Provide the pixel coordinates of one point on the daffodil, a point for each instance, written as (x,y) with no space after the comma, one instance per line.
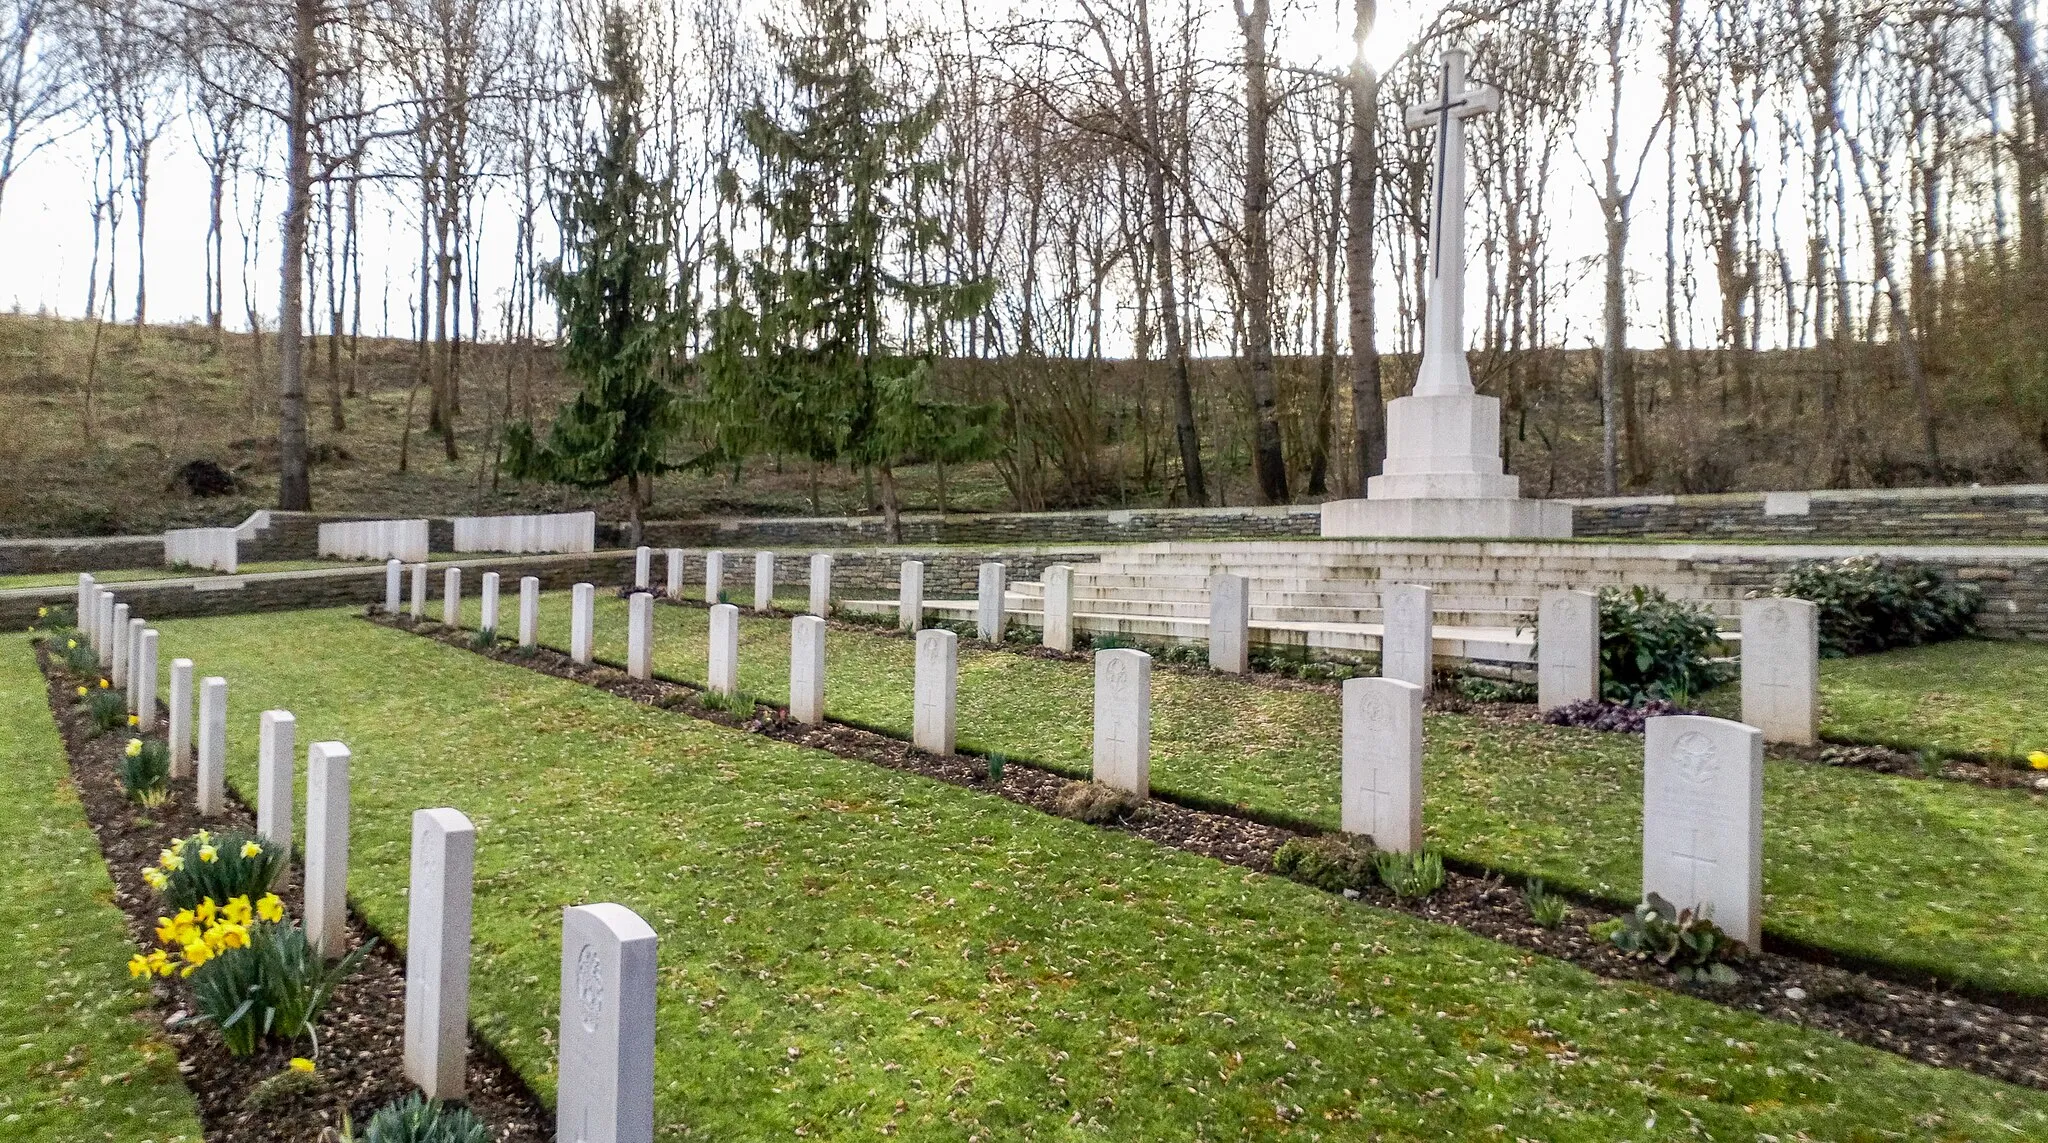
(2038,759)
(301,1064)
(165,930)
(204,911)
(196,953)
(134,745)
(155,878)
(138,965)
(251,849)
(232,936)
(270,908)
(71,644)
(207,854)
(171,861)
(160,962)
(237,911)
(103,684)
(135,720)
(42,613)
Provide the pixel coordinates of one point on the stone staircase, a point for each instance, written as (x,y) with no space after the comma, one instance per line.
(1324,595)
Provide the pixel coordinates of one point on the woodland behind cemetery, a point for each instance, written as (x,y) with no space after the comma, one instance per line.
(1148,252)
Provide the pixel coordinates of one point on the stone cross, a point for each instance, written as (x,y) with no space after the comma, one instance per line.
(394,576)
(1567,648)
(488,619)
(582,621)
(714,576)
(724,674)
(604,1085)
(643,567)
(180,729)
(419,591)
(640,635)
(1703,798)
(118,666)
(142,686)
(212,797)
(276,741)
(1123,720)
(821,584)
(1382,777)
(807,669)
(437,927)
(1407,645)
(529,610)
(1781,669)
(935,691)
(675,573)
(451,598)
(327,848)
(910,595)
(989,617)
(1444,370)
(1230,624)
(764,581)
(1057,631)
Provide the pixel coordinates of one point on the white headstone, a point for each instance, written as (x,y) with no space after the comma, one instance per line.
(180,729)
(437,952)
(989,615)
(143,685)
(131,651)
(1382,779)
(764,581)
(419,591)
(1058,628)
(451,597)
(821,584)
(910,595)
(327,848)
(1703,799)
(935,690)
(1230,623)
(82,609)
(1407,645)
(640,635)
(807,669)
(1781,669)
(714,576)
(103,633)
(582,620)
(1567,649)
(643,567)
(212,780)
(675,573)
(1123,720)
(119,665)
(489,619)
(394,579)
(529,610)
(604,1086)
(725,649)
(276,744)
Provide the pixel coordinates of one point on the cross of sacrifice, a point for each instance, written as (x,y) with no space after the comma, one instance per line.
(1697,863)
(1444,370)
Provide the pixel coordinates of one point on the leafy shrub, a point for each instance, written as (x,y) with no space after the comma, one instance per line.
(1480,688)
(193,869)
(1682,940)
(106,707)
(1309,666)
(56,617)
(1412,876)
(146,771)
(1545,908)
(1653,646)
(79,657)
(1598,714)
(1867,604)
(1331,862)
(417,1119)
(273,986)
(1096,803)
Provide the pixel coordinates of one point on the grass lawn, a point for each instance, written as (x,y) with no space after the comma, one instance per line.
(1939,877)
(76,1060)
(848,951)
(134,575)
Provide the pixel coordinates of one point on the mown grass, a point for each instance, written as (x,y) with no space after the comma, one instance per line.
(77,1060)
(134,575)
(848,951)
(1938,878)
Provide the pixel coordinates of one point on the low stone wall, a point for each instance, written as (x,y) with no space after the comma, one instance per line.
(1893,515)
(1132,526)
(98,553)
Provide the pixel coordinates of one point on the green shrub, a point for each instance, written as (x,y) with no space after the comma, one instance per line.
(1412,876)
(739,704)
(1545,908)
(1330,862)
(217,867)
(1682,940)
(79,657)
(275,986)
(1096,803)
(146,771)
(1653,646)
(1867,604)
(55,617)
(107,708)
(1480,688)
(417,1119)
(484,639)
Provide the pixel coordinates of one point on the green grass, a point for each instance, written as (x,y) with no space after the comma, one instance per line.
(133,575)
(1972,697)
(78,1061)
(1933,877)
(847,951)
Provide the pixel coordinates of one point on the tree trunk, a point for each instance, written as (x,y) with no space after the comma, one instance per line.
(1368,411)
(294,485)
(1614,319)
(892,516)
(1269,463)
(1154,153)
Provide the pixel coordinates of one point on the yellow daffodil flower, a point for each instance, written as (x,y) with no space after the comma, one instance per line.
(165,930)
(134,745)
(237,911)
(301,1064)
(160,962)
(103,684)
(134,720)
(205,911)
(171,861)
(42,613)
(251,849)
(207,854)
(197,953)
(81,692)
(138,966)
(270,908)
(155,878)
(232,936)
(204,835)
(2038,759)
(71,644)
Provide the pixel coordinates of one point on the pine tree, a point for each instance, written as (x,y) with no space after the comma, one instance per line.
(826,346)
(619,324)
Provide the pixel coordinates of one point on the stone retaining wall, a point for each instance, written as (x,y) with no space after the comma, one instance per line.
(1133,526)
(1895,515)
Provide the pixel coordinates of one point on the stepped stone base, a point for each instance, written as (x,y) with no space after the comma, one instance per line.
(1502,518)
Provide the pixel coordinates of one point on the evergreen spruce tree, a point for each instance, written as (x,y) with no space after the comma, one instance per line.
(619,326)
(825,346)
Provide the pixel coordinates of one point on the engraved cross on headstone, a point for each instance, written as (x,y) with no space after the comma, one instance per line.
(1697,863)
(1444,371)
